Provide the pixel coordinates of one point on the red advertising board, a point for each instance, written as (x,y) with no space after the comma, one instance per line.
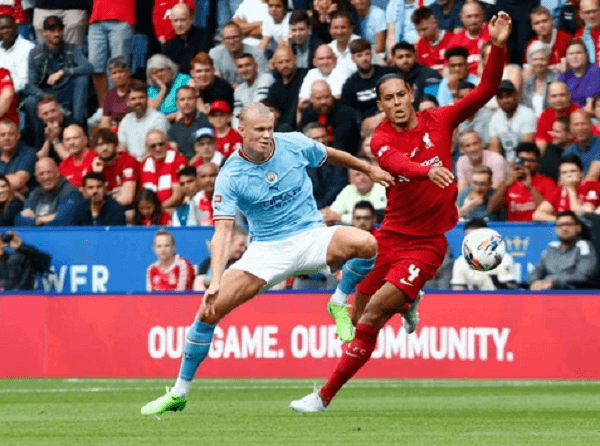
(291,335)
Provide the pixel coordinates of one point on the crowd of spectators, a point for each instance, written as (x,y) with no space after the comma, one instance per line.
(115,113)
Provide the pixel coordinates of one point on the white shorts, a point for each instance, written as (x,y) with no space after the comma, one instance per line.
(274,261)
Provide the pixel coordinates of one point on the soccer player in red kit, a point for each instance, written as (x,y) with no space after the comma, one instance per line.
(416,148)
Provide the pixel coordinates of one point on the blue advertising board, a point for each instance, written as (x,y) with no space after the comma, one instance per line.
(115,260)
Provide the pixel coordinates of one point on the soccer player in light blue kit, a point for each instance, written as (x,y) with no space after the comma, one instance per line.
(267,180)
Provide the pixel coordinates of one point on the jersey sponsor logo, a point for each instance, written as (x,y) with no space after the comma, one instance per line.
(271,177)
(278,201)
(435,162)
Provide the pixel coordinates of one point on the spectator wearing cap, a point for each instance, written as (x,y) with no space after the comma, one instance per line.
(120,169)
(17,161)
(534,93)
(14,51)
(110,35)
(8,97)
(359,90)
(115,103)
(158,170)
(208,86)
(228,140)
(165,79)
(98,208)
(226,54)
(136,124)
(189,39)
(582,77)
(187,121)
(60,68)
(255,86)
(512,124)
(586,145)
(73,13)
(458,71)
(425,80)
(53,202)
(205,148)
(343,132)
(79,161)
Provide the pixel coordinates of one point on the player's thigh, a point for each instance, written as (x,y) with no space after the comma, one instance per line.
(237,287)
(348,242)
(384,304)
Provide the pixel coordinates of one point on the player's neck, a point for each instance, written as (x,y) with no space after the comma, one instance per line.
(410,124)
(167,263)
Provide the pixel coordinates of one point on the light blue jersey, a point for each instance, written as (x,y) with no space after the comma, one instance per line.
(276,196)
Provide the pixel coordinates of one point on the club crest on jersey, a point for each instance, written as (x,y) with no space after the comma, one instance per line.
(427,141)
(218,198)
(271,177)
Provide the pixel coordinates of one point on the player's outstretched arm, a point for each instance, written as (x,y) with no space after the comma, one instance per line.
(500,27)
(343,159)
(219,255)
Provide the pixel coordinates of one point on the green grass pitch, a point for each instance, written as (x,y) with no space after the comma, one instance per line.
(255,412)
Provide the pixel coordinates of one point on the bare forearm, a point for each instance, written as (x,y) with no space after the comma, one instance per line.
(219,252)
(497,200)
(342,159)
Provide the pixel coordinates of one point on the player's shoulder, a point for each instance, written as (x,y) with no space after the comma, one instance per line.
(291,139)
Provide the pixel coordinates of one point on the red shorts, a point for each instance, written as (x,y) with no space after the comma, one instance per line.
(405,261)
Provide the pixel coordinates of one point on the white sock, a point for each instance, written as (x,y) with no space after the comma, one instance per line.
(339,297)
(182,387)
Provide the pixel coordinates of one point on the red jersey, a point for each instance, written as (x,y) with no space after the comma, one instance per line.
(121,11)
(546,121)
(74,171)
(587,192)
(204,210)
(122,169)
(178,277)
(595,36)
(229,143)
(558,43)
(161,17)
(596,130)
(433,54)
(6,83)
(15,9)
(161,176)
(519,201)
(165,220)
(415,205)
(472,44)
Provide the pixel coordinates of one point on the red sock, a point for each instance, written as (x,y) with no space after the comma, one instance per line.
(356,355)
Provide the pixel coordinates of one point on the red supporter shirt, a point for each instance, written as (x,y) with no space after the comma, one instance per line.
(204,207)
(74,171)
(178,277)
(416,206)
(519,201)
(229,143)
(596,130)
(6,83)
(595,36)
(165,220)
(472,44)
(432,54)
(587,192)
(122,169)
(161,17)
(161,176)
(559,46)
(120,10)
(546,121)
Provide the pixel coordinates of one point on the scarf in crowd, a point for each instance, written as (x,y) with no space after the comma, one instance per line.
(589,43)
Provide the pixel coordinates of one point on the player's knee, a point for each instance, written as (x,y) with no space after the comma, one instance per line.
(374,316)
(367,246)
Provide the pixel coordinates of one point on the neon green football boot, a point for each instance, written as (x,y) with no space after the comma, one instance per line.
(343,323)
(169,401)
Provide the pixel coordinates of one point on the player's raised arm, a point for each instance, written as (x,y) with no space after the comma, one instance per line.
(219,256)
(343,159)
(500,27)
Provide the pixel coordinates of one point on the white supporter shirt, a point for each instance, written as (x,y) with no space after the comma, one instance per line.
(344,60)
(335,80)
(255,11)
(511,132)
(16,60)
(464,275)
(346,200)
(132,131)
(276,31)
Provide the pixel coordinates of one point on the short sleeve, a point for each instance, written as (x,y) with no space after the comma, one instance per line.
(494,126)
(528,122)
(314,152)
(461,168)
(130,170)
(379,20)
(224,201)
(390,11)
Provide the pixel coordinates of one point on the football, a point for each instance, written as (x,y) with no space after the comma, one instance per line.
(483,249)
